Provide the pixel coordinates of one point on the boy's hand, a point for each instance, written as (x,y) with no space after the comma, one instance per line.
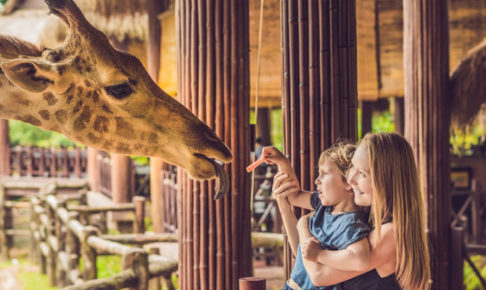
(310,249)
(283,186)
(272,155)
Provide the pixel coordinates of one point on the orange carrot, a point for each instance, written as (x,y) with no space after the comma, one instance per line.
(255,164)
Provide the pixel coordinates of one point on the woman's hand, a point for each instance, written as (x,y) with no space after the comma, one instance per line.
(283,186)
(310,249)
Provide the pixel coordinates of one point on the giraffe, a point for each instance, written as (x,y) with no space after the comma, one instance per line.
(104,98)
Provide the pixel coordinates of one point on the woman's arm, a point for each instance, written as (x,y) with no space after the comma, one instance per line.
(355,257)
(382,256)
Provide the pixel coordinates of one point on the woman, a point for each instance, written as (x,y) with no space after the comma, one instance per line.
(384,177)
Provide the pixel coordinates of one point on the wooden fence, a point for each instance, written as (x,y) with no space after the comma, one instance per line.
(61,233)
(35,161)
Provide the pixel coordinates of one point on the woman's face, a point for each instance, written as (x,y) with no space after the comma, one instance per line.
(359,176)
(330,184)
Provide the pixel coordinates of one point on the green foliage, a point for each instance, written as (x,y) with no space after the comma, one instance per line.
(2,2)
(471,281)
(277,128)
(28,275)
(24,134)
(382,122)
(140,160)
(107,266)
(462,141)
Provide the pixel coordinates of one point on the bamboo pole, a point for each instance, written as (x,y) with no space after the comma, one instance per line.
(214,86)
(319,89)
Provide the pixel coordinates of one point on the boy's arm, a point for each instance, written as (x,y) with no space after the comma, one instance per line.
(290,223)
(356,257)
(312,268)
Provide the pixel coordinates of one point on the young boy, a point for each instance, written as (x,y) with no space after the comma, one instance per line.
(337,223)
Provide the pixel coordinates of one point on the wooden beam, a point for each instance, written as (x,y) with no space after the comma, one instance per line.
(427,120)
(154,8)
(366,117)
(398,115)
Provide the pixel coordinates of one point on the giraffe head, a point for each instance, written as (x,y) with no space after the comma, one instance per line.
(104,98)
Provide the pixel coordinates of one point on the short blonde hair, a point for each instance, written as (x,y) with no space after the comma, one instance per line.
(341,153)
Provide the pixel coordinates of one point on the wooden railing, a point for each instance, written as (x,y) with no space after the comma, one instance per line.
(468,233)
(61,239)
(35,161)
(169,190)
(139,181)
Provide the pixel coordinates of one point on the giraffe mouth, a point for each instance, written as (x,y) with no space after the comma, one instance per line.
(222,180)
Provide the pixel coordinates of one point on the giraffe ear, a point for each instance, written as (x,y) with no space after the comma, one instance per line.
(28,74)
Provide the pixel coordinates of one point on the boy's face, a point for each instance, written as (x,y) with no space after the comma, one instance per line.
(360,178)
(330,184)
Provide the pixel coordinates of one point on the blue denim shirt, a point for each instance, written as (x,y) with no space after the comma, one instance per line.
(335,232)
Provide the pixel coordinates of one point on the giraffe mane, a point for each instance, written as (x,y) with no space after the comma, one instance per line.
(12,47)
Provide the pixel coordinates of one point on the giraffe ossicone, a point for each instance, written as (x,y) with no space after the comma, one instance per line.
(104,98)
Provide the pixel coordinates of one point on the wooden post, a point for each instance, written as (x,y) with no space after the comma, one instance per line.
(263,126)
(213,66)
(137,260)
(457,258)
(93,169)
(34,232)
(119,178)
(52,255)
(398,115)
(139,225)
(5,256)
(427,120)
(73,248)
(476,212)
(4,148)
(88,254)
(252,283)
(366,117)
(154,283)
(319,82)
(157,208)
(61,274)
(154,8)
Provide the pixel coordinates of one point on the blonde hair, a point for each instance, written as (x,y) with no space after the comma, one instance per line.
(341,154)
(397,195)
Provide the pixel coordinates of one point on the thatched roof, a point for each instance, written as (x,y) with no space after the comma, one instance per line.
(468,87)
(119,19)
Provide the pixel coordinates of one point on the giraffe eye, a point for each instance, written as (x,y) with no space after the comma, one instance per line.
(119,91)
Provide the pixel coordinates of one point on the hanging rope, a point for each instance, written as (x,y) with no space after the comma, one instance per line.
(257,88)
